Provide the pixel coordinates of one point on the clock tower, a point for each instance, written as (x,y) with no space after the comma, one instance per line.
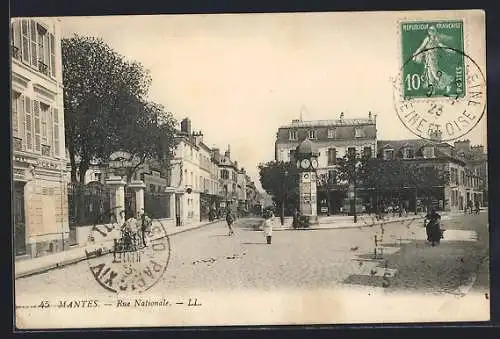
(306,157)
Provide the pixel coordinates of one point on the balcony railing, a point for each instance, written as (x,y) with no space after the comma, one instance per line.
(43,68)
(16,53)
(17,144)
(45,150)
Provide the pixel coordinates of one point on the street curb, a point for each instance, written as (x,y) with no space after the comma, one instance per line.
(80,259)
(193,228)
(345,227)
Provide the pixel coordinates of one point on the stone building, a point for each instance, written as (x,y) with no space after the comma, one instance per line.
(40,177)
(228,178)
(465,182)
(476,173)
(334,139)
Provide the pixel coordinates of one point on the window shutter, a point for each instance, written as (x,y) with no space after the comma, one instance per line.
(52,46)
(16,34)
(332,156)
(34,49)
(36,115)
(20,113)
(56,130)
(29,124)
(25,50)
(15,114)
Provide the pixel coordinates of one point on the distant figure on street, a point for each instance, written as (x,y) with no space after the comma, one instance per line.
(146,224)
(432,219)
(469,206)
(230,221)
(476,210)
(295,221)
(268,226)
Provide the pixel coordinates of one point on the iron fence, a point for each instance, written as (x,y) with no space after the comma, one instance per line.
(157,205)
(87,203)
(130,209)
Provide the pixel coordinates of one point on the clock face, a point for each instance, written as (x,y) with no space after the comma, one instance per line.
(314,163)
(305,163)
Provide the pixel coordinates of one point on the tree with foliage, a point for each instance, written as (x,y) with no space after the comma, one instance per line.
(283,188)
(105,106)
(150,138)
(393,176)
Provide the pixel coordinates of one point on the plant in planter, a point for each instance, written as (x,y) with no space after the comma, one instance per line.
(302,222)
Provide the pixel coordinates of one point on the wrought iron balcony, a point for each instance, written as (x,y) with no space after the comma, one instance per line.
(43,68)
(16,52)
(17,144)
(45,150)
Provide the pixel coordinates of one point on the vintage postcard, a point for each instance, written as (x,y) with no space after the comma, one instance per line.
(249,169)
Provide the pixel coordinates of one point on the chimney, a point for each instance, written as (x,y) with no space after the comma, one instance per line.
(236,165)
(215,154)
(436,135)
(228,152)
(198,136)
(462,145)
(370,115)
(186,126)
(479,149)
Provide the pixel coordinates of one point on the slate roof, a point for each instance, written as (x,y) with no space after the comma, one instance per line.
(441,149)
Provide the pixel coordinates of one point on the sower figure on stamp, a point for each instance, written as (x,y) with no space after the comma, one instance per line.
(427,53)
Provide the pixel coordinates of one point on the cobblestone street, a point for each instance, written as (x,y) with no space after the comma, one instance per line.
(208,260)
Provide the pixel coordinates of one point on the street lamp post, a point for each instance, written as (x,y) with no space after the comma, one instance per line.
(355,174)
(283,197)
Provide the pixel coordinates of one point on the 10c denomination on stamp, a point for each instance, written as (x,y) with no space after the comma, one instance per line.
(137,255)
(440,92)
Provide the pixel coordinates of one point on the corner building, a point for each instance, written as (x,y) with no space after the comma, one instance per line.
(40,208)
(334,139)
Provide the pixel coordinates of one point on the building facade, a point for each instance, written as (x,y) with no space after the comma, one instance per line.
(334,138)
(228,179)
(465,184)
(187,191)
(40,177)
(476,172)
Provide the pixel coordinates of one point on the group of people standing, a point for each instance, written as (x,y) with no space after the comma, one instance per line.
(472,208)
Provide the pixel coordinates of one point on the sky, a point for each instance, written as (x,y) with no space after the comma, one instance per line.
(238,77)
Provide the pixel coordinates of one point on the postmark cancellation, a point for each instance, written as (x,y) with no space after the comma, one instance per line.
(440,92)
(135,258)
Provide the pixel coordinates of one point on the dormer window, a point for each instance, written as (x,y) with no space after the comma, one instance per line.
(332,133)
(388,154)
(359,132)
(428,152)
(408,153)
(292,135)
(312,134)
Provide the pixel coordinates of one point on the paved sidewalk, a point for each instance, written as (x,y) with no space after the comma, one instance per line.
(364,220)
(342,223)
(73,255)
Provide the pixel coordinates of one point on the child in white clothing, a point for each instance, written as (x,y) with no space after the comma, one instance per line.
(268,227)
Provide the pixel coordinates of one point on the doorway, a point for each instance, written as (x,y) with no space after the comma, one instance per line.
(19,219)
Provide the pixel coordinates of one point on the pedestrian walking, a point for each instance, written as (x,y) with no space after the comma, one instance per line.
(230,221)
(268,227)
(476,210)
(469,206)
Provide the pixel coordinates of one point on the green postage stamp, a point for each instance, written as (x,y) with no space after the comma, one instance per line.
(433,57)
